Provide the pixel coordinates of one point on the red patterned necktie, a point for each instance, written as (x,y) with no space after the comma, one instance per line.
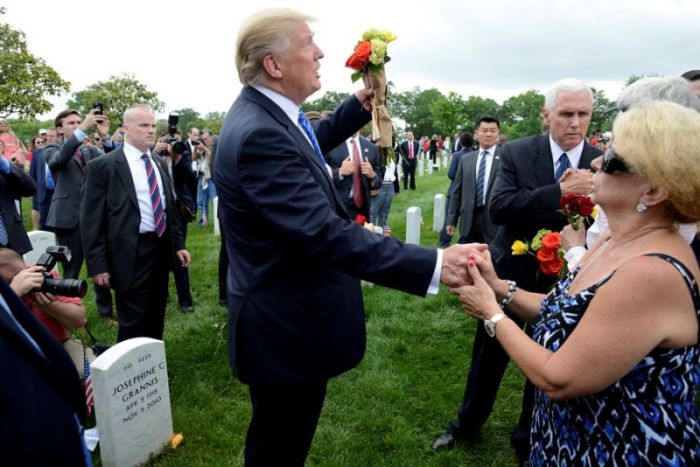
(158,212)
(410,150)
(358,195)
(81,160)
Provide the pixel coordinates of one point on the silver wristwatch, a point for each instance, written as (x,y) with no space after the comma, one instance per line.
(490,324)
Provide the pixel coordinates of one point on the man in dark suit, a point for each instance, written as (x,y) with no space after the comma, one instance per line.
(295,305)
(67,162)
(465,141)
(44,403)
(129,227)
(534,173)
(409,155)
(355,163)
(14,183)
(38,170)
(471,191)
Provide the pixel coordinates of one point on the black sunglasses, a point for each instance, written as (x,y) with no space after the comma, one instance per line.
(613,163)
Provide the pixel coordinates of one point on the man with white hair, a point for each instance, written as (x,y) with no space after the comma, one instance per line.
(525,199)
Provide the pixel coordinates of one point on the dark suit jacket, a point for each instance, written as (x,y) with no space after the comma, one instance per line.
(37,172)
(40,393)
(526,199)
(295,305)
(335,158)
(454,163)
(15,185)
(185,184)
(404,152)
(463,195)
(110,218)
(64,212)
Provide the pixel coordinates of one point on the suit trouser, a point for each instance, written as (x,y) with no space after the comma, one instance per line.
(141,307)
(283,424)
(43,209)
(223,268)
(445,239)
(72,239)
(409,172)
(182,275)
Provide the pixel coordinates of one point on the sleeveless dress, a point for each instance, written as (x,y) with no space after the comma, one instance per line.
(648,417)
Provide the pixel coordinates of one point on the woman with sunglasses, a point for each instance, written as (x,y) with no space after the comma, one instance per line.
(614,349)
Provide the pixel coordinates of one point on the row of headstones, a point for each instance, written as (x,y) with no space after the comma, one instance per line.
(414,219)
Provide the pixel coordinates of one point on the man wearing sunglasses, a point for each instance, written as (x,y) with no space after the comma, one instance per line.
(534,173)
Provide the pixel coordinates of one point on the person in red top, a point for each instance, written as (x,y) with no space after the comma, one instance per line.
(56,313)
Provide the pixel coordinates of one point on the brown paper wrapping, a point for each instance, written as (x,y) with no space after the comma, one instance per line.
(382,128)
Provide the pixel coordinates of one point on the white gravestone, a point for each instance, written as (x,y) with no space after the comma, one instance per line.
(428,166)
(413,222)
(132,402)
(217,229)
(39,239)
(438,212)
(421,167)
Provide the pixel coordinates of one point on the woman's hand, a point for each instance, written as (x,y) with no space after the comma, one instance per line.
(485,266)
(478,300)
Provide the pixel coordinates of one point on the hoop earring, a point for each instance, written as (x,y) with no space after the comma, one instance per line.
(641,207)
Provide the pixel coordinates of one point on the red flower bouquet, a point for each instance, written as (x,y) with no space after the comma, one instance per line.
(546,247)
(576,208)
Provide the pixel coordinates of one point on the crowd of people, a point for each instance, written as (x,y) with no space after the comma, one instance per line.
(610,350)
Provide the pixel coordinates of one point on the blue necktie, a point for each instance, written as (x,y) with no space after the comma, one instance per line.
(50,184)
(4,238)
(480,176)
(563,165)
(308,129)
(156,202)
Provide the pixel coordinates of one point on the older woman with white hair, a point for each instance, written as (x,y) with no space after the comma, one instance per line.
(615,351)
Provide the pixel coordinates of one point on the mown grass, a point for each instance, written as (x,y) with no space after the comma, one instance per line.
(386,412)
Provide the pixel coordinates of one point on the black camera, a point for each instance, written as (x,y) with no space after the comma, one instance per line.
(100,107)
(178,146)
(64,287)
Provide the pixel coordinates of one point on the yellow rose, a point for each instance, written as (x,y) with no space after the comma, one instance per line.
(594,214)
(518,248)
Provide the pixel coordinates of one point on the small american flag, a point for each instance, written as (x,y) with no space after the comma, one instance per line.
(89,399)
(387,231)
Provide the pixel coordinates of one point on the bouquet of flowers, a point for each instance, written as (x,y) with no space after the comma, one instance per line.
(368,61)
(576,208)
(546,247)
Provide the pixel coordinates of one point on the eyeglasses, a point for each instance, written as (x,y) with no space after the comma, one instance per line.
(613,163)
(98,139)
(39,142)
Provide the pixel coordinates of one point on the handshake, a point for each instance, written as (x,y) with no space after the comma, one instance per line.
(455,261)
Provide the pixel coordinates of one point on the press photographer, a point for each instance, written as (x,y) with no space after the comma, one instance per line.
(58,313)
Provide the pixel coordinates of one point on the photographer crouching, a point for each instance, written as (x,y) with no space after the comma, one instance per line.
(58,313)
(170,146)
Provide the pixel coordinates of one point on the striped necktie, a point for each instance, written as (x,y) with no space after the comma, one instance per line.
(158,212)
(480,177)
(563,165)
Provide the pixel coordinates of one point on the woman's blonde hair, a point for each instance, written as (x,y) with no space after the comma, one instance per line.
(661,142)
(266,32)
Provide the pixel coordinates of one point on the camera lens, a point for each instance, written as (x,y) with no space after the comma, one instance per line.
(65,287)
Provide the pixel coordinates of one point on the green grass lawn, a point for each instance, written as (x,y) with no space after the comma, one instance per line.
(387,411)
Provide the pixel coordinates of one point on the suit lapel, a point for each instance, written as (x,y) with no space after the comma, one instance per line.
(544,167)
(494,169)
(124,173)
(470,175)
(587,155)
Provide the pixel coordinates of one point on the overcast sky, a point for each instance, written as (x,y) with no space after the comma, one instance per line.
(184,50)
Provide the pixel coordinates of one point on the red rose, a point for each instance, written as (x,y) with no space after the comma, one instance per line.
(545,254)
(359,57)
(585,206)
(360,219)
(552,240)
(567,203)
(552,268)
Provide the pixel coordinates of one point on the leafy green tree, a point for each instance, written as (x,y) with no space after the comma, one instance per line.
(329,101)
(520,115)
(476,107)
(27,129)
(188,118)
(24,79)
(117,94)
(448,113)
(602,111)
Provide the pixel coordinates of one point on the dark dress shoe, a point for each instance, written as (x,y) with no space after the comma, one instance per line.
(187,308)
(444,441)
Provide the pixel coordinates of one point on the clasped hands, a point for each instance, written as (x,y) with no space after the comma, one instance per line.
(468,272)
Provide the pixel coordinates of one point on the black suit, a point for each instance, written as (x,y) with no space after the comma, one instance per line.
(14,185)
(185,186)
(43,195)
(295,305)
(335,158)
(42,400)
(475,224)
(525,199)
(409,165)
(138,264)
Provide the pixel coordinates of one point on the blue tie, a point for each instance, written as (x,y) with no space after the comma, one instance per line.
(156,202)
(480,176)
(563,165)
(308,129)
(50,184)
(4,238)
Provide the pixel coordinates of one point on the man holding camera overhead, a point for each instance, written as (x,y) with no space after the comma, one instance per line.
(130,231)
(68,162)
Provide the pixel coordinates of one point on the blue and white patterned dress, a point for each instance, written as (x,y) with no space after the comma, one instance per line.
(646,418)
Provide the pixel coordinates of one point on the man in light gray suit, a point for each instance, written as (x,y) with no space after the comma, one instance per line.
(68,162)
(471,190)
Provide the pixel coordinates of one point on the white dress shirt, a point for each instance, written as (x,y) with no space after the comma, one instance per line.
(143,191)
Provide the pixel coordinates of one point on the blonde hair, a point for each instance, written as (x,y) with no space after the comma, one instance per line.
(661,142)
(266,32)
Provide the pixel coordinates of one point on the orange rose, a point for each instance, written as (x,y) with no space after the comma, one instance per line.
(552,240)
(545,254)
(552,268)
(360,56)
